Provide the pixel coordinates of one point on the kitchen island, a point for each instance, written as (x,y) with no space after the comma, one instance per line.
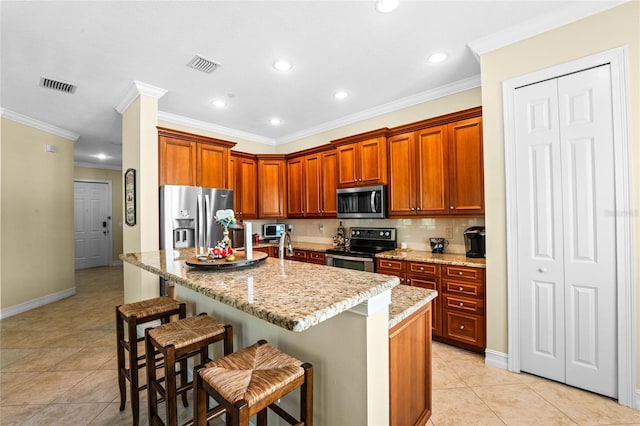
(334,318)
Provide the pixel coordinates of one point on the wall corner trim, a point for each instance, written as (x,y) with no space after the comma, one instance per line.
(496,359)
(139,88)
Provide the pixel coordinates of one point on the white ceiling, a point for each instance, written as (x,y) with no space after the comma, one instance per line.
(379,59)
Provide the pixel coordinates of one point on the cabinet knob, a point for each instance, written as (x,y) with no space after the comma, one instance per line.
(461,304)
(388,264)
(460,288)
(411,208)
(422,268)
(451,207)
(461,327)
(460,273)
(408,280)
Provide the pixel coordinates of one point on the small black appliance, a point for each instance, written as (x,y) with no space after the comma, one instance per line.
(474,241)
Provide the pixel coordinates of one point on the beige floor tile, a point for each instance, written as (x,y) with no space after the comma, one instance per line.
(461,406)
(18,414)
(520,405)
(444,375)
(66,414)
(41,388)
(99,386)
(85,359)
(37,359)
(585,407)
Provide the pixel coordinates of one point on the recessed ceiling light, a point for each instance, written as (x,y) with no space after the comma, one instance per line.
(218,103)
(386,6)
(341,95)
(282,65)
(437,57)
(101,156)
(275,121)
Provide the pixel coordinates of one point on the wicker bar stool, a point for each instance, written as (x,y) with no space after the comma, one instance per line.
(134,314)
(250,381)
(177,341)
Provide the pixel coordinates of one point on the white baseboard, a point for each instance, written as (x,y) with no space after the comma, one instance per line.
(36,303)
(637,407)
(116,262)
(496,359)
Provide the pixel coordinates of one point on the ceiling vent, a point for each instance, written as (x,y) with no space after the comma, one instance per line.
(202,64)
(58,85)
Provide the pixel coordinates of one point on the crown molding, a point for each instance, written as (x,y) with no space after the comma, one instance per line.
(40,125)
(139,88)
(203,125)
(409,101)
(533,27)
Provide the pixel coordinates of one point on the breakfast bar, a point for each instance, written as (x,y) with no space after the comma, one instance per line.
(336,319)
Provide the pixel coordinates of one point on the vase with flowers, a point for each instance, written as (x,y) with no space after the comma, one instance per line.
(224,218)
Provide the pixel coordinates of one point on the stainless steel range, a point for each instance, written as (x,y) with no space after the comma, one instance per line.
(364,244)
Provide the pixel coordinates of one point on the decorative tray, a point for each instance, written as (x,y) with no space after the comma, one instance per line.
(239,261)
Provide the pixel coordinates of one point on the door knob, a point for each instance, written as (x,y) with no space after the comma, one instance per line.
(542,270)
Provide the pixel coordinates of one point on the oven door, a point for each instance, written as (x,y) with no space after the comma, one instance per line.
(366,264)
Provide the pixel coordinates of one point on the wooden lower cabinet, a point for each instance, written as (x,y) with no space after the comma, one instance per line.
(316,257)
(458,313)
(271,251)
(410,369)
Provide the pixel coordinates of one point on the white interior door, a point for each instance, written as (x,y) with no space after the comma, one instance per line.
(566,230)
(92,224)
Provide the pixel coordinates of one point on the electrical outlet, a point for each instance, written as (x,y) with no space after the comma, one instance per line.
(290,228)
(321,227)
(448,232)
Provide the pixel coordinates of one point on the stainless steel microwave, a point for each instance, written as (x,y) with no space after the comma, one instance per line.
(362,202)
(272,230)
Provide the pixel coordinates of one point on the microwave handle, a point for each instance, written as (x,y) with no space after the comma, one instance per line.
(373,202)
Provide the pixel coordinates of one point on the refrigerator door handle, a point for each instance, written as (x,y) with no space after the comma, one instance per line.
(200,223)
(207,221)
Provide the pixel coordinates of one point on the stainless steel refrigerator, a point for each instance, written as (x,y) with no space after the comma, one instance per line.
(187,218)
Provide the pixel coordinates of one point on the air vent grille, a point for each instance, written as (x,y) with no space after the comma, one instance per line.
(202,64)
(58,85)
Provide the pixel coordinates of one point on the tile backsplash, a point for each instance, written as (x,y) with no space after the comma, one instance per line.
(414,232)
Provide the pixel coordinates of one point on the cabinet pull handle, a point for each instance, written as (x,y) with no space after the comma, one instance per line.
(460,288)
(461,326)
(461,304)
(417,208)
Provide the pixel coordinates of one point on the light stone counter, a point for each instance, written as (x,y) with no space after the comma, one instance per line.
(290,294)
(319,247)
(406,300)
(427,256)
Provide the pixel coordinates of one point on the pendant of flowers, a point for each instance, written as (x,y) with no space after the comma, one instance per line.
(224,218)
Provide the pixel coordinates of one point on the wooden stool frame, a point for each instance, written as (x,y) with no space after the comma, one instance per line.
(170,391)
(139,361)
(238,414)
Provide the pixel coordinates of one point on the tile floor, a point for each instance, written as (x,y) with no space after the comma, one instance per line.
(58,367)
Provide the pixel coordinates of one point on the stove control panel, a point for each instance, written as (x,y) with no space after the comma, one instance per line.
(384,234)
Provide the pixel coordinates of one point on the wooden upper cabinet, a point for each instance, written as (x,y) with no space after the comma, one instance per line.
(177,159)
(311,184)
(243,179)
(190,159)
(295,187)
(211,166)
(362,159)
(437,169)
(466,175)
(272,191)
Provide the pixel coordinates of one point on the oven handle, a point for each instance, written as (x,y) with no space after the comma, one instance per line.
(356,259)
(373,202)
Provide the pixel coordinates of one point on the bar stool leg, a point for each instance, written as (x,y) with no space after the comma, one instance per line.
(121,365)
(133,370)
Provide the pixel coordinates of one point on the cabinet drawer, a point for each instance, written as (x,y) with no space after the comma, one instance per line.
(424,268)
(390,265)
(316,257)
(465,328)
(463,272)
(467,288)
(471,306)
(431,284)
(299,255)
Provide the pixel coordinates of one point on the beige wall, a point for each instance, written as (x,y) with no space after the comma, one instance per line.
(115,177)
(613,28)
(37,215)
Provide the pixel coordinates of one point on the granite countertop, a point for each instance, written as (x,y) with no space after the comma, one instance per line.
(290,294)
(406,300)
(427,256)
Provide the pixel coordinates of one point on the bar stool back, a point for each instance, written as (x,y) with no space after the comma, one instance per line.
(134,314)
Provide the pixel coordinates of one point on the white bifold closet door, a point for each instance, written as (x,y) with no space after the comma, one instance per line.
(566,230)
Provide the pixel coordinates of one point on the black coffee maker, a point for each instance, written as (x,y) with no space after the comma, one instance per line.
(474,241)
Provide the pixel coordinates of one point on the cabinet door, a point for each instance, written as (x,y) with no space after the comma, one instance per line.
(247,174)
(347,165)
(372,162)
(311,184)
(177,160)
(466,172)
(432,171)
(328,184)
(211,166)
(272,193)
(401,175)
(295,187)
(432,283)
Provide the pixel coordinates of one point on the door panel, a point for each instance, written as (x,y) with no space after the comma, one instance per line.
(590,254)
(92,224)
